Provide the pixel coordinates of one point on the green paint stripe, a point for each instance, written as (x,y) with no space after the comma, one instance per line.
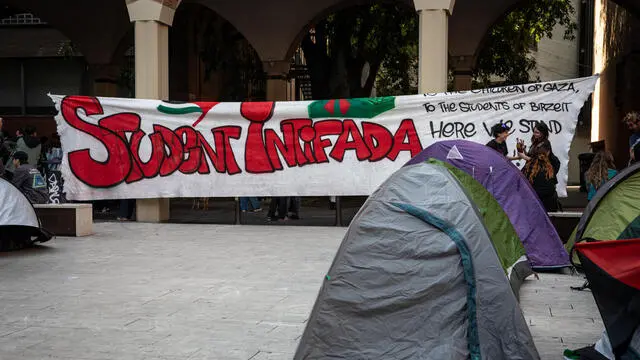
(179,111)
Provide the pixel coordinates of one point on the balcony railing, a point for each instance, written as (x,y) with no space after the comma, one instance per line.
(21,19)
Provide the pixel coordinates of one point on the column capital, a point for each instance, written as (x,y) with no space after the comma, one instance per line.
(425,5)
(462,63)
(161,11)
(276,69)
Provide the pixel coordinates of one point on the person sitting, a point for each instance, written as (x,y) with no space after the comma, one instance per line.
(601,170)
(28,179)
(500,133)
(541,173)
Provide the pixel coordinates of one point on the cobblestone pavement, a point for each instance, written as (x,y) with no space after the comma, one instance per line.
(149,291)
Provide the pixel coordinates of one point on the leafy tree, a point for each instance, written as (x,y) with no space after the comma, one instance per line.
(224,50)
(506,52)
(346,51)
(351,51)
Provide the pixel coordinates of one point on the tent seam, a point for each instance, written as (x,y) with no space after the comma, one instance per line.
(467,266)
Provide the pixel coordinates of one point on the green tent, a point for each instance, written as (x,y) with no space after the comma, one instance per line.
(502,233)
(614,213)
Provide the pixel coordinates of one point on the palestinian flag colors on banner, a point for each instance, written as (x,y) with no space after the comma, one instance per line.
(366,108)
(613,272)
(180,108)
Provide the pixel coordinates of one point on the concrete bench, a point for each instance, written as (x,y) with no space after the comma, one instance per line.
(66,219)
(565,222)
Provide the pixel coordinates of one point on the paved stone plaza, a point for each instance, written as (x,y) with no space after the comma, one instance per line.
(148,291)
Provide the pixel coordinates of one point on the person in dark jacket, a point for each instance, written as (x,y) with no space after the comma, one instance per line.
(500,133)
(541,173)
(4,154)
(540,138)
(632,120)
(29,143)
(29,180)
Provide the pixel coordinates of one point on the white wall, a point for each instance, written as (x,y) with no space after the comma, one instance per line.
(558,59)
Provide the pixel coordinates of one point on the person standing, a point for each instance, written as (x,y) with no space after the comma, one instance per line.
(29,143)
(125,212)
(632,120)
(277,209)
(294,203)
(541,174)
(500,133)
(250,200)
(4,154)
(540,138)
(602,169)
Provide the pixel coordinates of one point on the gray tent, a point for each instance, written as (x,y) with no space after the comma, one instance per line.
(19,223)
(417,277)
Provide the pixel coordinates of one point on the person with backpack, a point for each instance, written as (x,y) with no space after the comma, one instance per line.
(29,180)
(602,169)
(540,138)
(541,174)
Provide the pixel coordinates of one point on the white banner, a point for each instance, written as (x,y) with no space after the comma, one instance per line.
(130,148)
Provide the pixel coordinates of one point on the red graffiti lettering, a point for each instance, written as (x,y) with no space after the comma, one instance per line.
(106,173)
(256,158)
(343,144)
(407,130)
(379,140)
(130,154)
(128,159)
(302,142)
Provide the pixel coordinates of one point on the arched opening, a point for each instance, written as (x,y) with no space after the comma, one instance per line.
(354,48)
(210,60)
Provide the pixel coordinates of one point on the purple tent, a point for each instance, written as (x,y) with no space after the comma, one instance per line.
(512,191)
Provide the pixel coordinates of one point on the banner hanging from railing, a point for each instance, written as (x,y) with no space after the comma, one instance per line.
(132,148)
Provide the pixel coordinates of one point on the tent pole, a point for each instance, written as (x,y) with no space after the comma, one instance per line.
(338,211)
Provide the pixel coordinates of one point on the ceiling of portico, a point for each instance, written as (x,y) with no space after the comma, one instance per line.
(273,27)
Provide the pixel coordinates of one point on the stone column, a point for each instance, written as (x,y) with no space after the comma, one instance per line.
(434,44)
(462,72)
(152,19)
(277,85)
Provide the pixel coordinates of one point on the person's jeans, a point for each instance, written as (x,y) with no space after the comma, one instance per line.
(278,204)
(126,208)
(294,205)
(246,201)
